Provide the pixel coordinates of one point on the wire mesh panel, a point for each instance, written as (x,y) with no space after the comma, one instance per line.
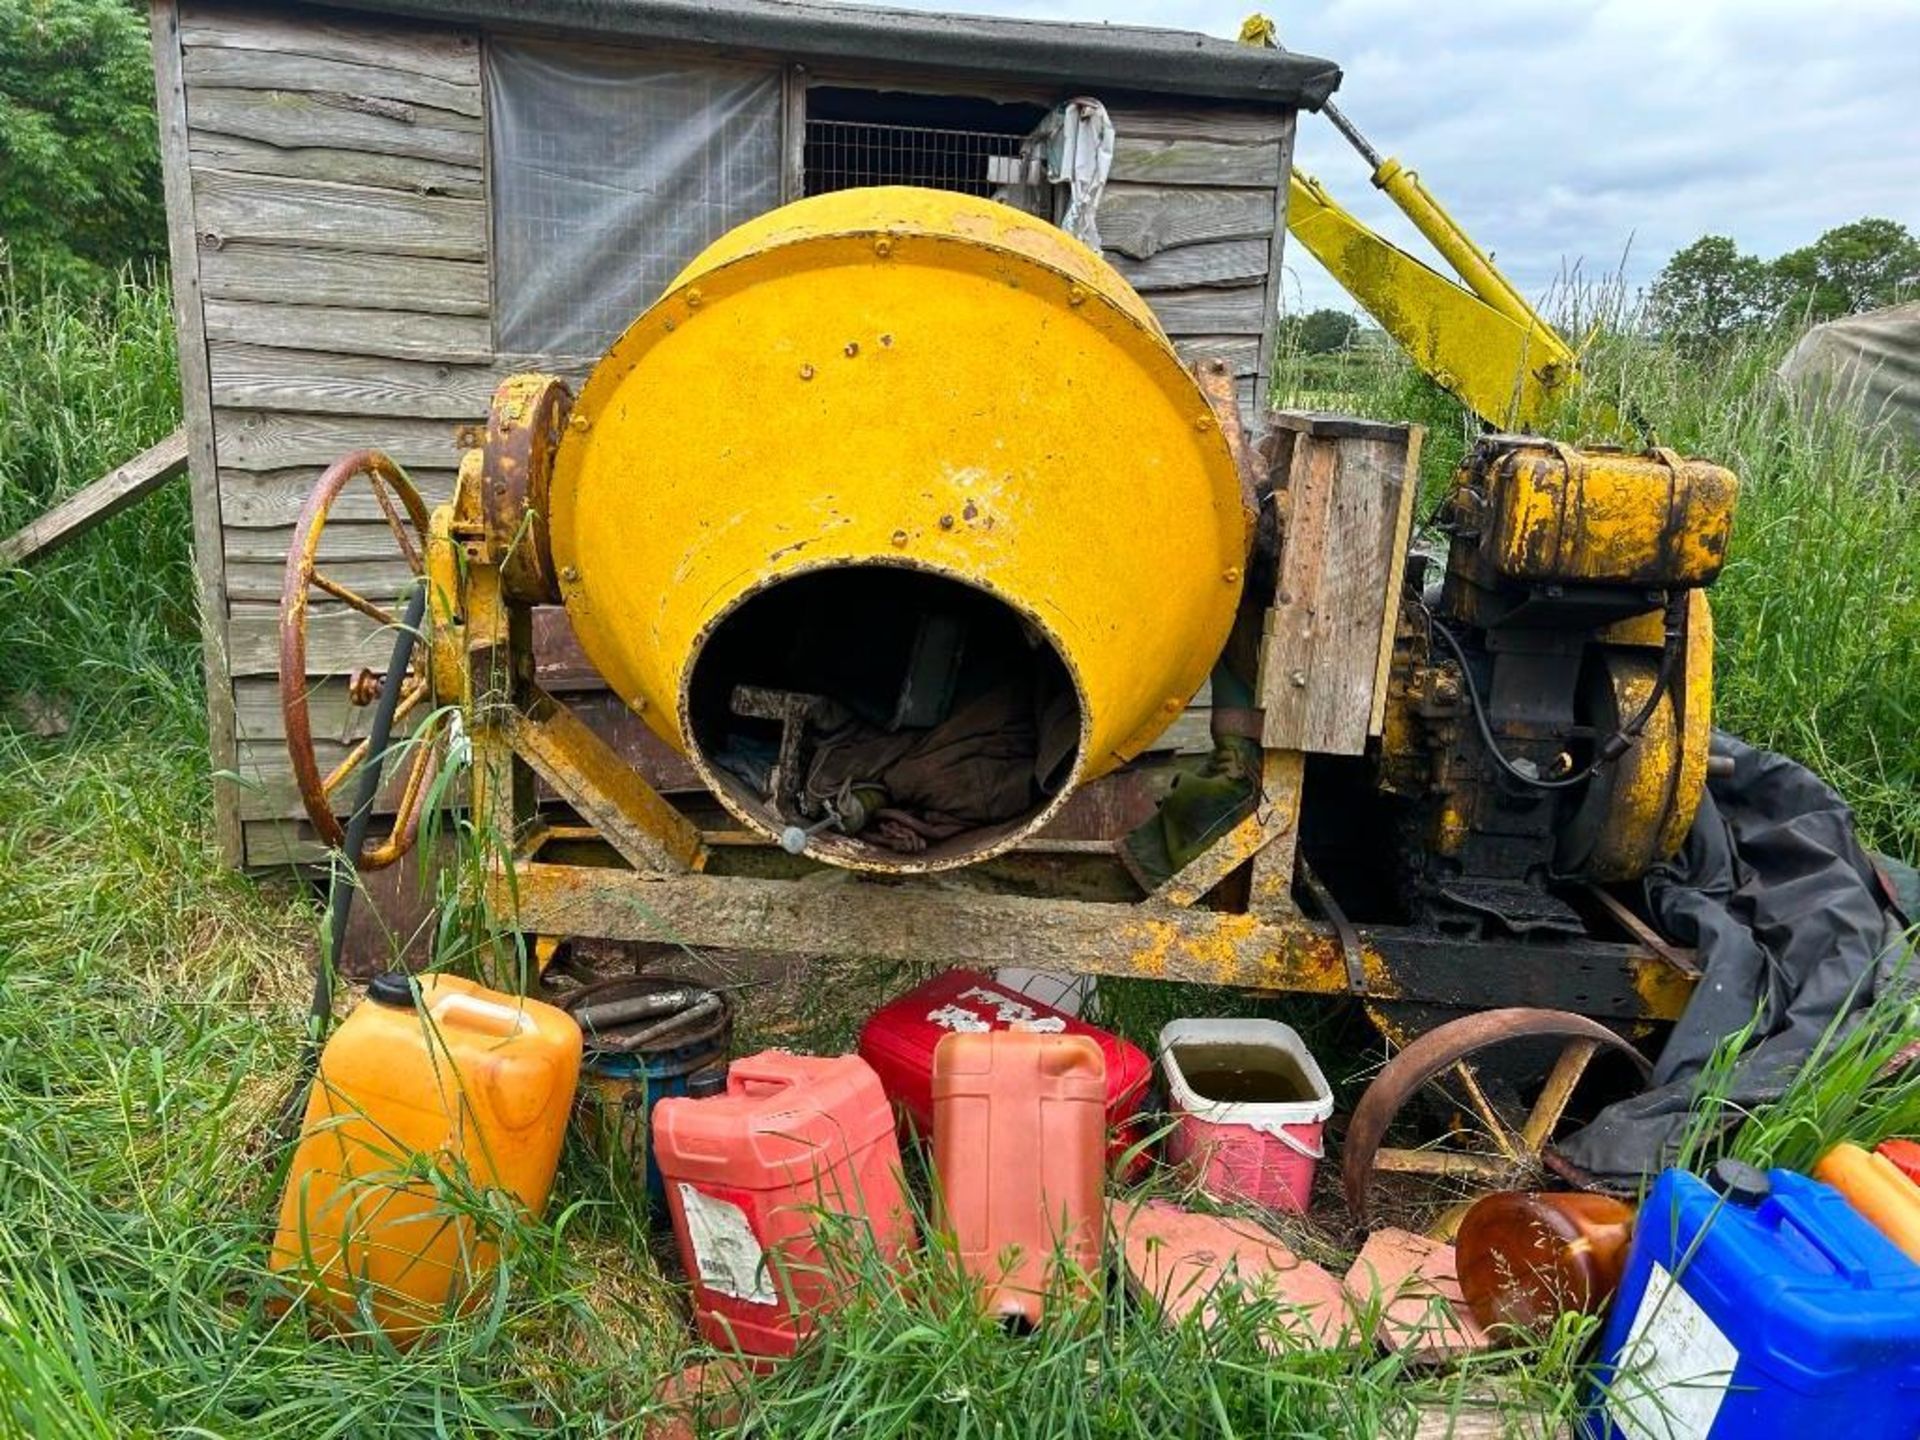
(611,170)
(843,154)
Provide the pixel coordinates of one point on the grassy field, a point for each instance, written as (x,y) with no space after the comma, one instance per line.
(152,1000)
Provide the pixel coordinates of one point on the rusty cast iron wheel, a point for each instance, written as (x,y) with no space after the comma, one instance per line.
(1506,1156)
(406,516)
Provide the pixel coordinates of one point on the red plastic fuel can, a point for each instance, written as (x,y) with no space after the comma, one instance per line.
(1019,1124)
(900,1038)
(748,1174)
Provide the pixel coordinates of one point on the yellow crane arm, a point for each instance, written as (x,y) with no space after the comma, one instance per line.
(1485,344)
(1480,340)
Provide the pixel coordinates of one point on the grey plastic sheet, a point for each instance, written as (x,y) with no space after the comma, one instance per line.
(1867,363)
(1795,933)
(611,170)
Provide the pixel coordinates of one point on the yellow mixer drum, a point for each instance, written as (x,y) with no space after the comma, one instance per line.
(887,403)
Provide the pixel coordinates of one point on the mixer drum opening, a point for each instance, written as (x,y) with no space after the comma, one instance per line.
(903,718)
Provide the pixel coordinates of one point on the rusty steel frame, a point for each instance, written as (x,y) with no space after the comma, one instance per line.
(656,876)
(653,884)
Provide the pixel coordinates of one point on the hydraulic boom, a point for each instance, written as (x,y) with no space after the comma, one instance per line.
(1478,337)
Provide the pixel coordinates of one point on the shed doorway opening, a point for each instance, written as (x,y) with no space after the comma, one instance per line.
(894,137)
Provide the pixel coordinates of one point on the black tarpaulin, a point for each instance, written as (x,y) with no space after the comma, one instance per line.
(1795,931)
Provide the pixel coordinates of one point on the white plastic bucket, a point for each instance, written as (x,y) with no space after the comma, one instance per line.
(1262,1151)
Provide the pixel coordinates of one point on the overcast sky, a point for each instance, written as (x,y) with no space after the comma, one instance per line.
(1599,133)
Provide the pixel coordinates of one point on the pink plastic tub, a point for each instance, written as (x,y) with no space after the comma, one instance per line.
(1249,1103)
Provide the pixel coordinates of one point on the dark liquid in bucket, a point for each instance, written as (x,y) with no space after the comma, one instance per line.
(1243,1074)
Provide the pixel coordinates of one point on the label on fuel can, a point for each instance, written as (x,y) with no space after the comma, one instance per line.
(1671,1375)
(727,1253)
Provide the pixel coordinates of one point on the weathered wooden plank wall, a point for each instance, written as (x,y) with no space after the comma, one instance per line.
(338,183)
(332,199)
(1193,207)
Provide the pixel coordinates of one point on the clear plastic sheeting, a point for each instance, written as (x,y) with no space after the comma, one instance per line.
(611,170)
(1075,143)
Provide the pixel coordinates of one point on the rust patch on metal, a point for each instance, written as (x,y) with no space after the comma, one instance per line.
(1441,1049)
(524,425)
(1215,379)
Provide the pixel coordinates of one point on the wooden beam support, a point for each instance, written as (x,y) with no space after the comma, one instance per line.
(1346,506)
(183,248)
(1273,299)
(105,497)
(843,913)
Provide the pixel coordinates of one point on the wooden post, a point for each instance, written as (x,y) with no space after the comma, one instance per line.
(1347,507)
(1270,300)
(793,133)
(196,398)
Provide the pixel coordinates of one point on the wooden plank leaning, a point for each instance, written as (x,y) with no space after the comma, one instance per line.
(107,496)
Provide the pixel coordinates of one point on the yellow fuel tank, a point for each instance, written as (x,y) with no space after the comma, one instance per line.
(883,403)
(1601,516)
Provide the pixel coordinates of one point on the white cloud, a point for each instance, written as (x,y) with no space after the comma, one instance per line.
(1561,132)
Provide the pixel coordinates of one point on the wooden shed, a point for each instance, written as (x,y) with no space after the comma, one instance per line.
(376,212)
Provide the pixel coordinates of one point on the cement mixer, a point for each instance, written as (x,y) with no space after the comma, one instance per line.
(900,525)
(841,528)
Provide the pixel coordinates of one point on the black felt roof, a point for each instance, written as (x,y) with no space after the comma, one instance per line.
(1058,53)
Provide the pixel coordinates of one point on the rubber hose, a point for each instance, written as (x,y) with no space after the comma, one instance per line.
(346,878)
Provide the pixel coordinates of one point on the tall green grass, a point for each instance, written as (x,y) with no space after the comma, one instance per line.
(151,1016)
(1861,1083)
(107,629)
(151,1002)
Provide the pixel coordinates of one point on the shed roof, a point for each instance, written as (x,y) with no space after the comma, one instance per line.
(1129,57)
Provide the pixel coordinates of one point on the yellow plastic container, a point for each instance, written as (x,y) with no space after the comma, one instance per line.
(1601,516)
(1875,1187)
(473,1084)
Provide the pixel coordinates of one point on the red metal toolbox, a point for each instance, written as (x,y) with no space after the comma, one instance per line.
(899,1040)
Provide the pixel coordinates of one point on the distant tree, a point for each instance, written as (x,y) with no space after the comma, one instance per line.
(1851,268)
(79,152)
(1709,291)
(1321,332)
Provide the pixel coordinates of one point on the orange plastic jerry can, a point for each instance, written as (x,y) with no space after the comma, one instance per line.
(753,1174)
(415,1110)
(1019,1145)
(1878,1189)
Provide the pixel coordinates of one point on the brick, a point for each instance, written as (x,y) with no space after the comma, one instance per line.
(1413,1281)
(1180,1261)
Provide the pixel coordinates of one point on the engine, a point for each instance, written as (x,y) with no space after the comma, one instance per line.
(1549,706)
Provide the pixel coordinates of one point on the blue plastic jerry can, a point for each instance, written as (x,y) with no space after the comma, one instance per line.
(1759,1304)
